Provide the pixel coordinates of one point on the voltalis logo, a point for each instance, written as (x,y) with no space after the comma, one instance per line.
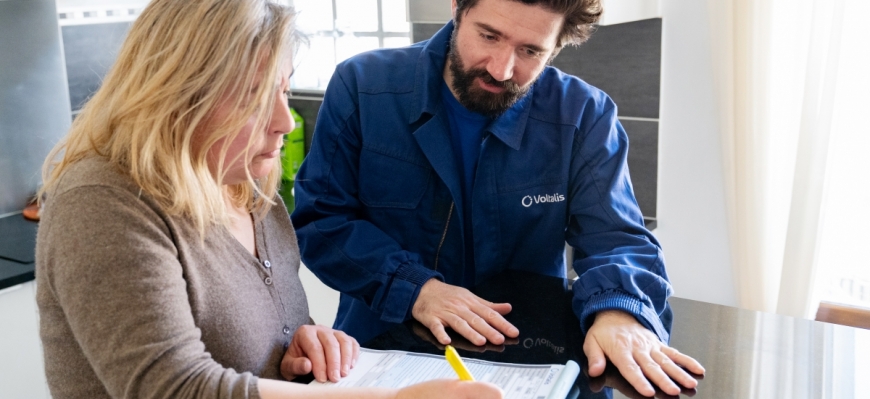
(529,200)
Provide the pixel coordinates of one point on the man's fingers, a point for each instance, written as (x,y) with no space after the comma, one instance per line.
(461,326)
(632,372)
(501,308)
(438,331)
(483,327)
(654,372)
(674,371)
(494,318)
(593,351)
(684,360)
(472,317)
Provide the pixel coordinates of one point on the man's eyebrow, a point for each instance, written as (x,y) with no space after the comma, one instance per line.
(494,31)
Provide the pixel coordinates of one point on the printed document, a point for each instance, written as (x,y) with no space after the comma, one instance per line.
(397,369)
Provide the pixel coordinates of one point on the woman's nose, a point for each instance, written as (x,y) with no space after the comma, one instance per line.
(282,121)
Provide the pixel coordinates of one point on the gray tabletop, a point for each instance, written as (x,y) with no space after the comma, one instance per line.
(749,354)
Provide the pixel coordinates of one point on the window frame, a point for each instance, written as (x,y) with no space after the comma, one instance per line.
(337,33)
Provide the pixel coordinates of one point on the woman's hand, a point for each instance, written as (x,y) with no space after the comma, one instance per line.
(328,353)
(450,389)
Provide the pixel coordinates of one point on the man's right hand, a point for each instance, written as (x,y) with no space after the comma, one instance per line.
(478,320)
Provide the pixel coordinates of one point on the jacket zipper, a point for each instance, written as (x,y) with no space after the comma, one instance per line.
(444,234)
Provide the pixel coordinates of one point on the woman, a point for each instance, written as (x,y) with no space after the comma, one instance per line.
(167,265)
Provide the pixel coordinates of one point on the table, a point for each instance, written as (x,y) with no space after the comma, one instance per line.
(747,354)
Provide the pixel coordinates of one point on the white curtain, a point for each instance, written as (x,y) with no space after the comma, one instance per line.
(784,81)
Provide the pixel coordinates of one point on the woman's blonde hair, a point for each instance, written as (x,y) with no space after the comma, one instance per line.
(182,58)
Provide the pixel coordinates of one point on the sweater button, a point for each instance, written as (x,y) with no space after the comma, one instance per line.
(267,264)
(268,281)
(286,330)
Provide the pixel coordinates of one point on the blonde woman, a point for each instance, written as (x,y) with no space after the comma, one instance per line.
(166,264)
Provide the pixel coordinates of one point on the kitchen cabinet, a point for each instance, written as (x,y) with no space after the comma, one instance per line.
(22,375)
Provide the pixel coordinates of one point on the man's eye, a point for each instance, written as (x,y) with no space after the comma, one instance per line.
(487,37)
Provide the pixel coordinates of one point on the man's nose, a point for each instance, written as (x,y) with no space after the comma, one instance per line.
(501,65)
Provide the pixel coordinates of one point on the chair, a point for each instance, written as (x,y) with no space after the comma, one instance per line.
(844,315)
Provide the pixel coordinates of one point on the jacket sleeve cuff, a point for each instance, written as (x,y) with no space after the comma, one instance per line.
(619,300)
(404,291)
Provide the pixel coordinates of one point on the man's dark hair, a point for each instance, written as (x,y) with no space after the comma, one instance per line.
(580,16)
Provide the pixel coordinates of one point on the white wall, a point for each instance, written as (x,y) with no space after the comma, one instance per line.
(621,11)
(322,300)
(692,222)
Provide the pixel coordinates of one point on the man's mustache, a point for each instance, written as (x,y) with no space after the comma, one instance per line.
(508,85)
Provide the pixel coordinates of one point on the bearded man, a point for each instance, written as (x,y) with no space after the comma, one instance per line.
(439,165)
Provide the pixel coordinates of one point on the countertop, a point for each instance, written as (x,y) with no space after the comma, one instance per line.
(17,247)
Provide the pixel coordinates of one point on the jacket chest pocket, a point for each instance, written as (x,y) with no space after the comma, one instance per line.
(389,182)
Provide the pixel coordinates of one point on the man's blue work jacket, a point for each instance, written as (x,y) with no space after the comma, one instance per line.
(379,207)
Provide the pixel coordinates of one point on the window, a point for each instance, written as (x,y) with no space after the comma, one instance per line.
(339,29)
(89,12)
(844,275)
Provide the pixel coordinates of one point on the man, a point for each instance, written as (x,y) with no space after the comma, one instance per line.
(436,166)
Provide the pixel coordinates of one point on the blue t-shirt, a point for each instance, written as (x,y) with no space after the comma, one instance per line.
(466,135)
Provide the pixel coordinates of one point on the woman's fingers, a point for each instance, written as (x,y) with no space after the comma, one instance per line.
(331,353)
(346,344)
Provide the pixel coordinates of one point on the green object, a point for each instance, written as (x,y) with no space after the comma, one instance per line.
(286,192)
(293,151)
(292,155)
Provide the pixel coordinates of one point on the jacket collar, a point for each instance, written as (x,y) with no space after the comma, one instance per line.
(509,127)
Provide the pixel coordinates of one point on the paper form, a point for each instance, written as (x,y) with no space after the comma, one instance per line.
(397,369)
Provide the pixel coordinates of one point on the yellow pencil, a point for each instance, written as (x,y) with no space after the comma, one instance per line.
(456,362)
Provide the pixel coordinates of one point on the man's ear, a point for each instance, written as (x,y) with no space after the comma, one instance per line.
(453,9)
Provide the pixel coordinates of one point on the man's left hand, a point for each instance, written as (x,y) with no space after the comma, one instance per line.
(638,354)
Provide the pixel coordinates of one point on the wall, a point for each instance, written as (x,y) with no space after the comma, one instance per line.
(624,60)
(692,221)
(90,51)
(34,107)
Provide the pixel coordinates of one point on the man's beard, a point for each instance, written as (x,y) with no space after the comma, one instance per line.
(475,98)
